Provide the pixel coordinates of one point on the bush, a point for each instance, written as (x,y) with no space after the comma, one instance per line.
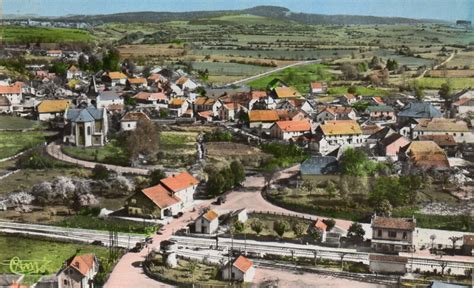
(218,136)
(100,172)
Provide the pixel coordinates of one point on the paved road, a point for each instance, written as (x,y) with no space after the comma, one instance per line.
(272,71)
(54,150)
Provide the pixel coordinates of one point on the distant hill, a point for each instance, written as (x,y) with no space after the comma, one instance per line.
(272,12)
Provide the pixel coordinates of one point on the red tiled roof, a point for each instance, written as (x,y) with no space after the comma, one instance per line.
(160,196)
(243,264)
(257,94)
(210,215)
(179,182)
(319,224)
(317,85)
(393,223)
(15,89)
(83,263)
(294,126)
(135,116)
(137,80)
(206,114)
(263,116)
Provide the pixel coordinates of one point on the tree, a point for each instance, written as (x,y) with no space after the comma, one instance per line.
(111,60)
(192,267)
(228,177)
(454,239)
(355,232)
(349,71)
(418,90)
(352,89)
(100,172)
(432,238)
(238,170)
(256,226)
(280,227)
(143,140)
(121,185)
(445,92)
(384,208)
(330,223)
(375,62)
(354,162)
(299,229)
(239,227)
(82,62)
(43,192)
(59,68)
(392,64)
(95,64)
(215,184)
(156,176)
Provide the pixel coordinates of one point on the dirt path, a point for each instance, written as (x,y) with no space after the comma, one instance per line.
(54,150)
(436,67)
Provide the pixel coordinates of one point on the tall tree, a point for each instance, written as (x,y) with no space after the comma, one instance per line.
(238,170)
(446,93)
(143,140)
(280,227)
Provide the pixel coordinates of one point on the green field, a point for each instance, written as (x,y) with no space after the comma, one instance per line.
(299,77)
(240,19)
(16,34)
(106,224)
(112,153)
(12,143)
(54,253)
(177,149)
(18,123)
(435,83)
(229,69)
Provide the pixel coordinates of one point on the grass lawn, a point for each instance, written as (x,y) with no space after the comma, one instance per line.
(365,91)
(95,223)
(177,148)
(111,153)
(54,253)
(16,34)
(25,179)
(205,274)
(12,143)
(11,122)
(435,83)
(299,77)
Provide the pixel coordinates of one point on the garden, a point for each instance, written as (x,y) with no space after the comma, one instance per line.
(12,143)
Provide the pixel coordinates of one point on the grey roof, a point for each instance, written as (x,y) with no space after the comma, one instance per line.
(108,95)
(320,165)
(420,110)
(89,114)
(379,108)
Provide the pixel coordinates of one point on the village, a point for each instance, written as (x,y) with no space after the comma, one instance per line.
(148,174)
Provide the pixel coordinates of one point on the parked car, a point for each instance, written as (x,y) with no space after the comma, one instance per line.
(179,215)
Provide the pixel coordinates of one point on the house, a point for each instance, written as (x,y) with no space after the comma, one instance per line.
(282,93)
(206,104)
(5,105)
(318,226)
(424,155)
(464,105)
(319,166)
(50,109)
(130,119)
(186,84)
(446,142)
(167,198)
(54,53)
(380,112)
(156,77)
(115,78)
(241,270)
(393,235)
(417,110)
(240,215)
(86,127)
(229,111)
(14,93)
(157,99)
(107,98)
(137,82)
(468,244)
(338,133)
(441,126)
(348,99)
(391,145)
(178,107)
(73,72)
(389,264)
(79,272)
(377,100)
(207,223)
(263,119)
(286,130)
(316,88)
(256,96)
(336,113)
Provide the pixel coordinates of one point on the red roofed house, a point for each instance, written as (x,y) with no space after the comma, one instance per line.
(286,130)
(336,113)
(130,120)
(319,227)
(229,111)
(157,99)
(137,82)
(167,198)
(318,88)
(393,235)
(79,272)
(13,93)
(207,223)
(241,270)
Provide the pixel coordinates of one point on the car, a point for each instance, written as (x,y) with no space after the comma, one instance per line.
(179,215)
(221,200)
(149,240)
(98,243)
(159,232)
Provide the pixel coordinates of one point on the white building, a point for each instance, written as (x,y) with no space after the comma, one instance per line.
(178,107)
(79,272)
(13,93)
(339,133)
(107,98)
(186,84)
(336,113)
(241,270)
(50,109)
(441,126)
(285,130)
(207,223)
(73,72)
(86,127)
(130,120)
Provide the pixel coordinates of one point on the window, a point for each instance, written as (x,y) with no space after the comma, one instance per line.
(65,281)
(88,130)
(405,235)
(379,233)
(462,134)
(392,234)
(128,125)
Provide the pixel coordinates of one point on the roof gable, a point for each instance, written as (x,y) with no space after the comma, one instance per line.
(179,182)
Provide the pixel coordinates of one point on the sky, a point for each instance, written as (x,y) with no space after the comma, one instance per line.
(450,10)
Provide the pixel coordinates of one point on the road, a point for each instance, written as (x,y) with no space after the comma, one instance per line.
(54,150)
(62,233)
(238,82)
(436,67)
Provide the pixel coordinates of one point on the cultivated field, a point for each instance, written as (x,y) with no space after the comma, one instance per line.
(12,143)
(16,34)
